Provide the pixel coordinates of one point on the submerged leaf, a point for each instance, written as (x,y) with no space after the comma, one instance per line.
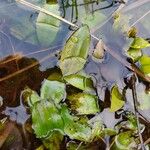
(117,100)
(83,103)
(46,119)
(24,30)
(121,22)
(47,26)
(92,19)
(75,52)
(139,43)
(79,81)
(53,90)
(145,64)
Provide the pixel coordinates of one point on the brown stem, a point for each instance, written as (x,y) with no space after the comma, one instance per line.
(135,101)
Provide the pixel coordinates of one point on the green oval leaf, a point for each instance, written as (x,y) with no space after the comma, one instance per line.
(53,90)
(75,52)
(145,64)
(117,100)
(75,129)
(124,141)
(140,43)
(71,65)
(83,103)
(80,82)
(46,119)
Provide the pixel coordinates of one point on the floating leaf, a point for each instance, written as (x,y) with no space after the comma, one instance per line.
(124,141)
(53,90)
(54,141)
(74,129)
(79,81)
(75,52)
(72,65)
(139,43)
(108,132)
(134,53)
(129,124)
(46,119)
(145,64)
(84,103)
(47,26)
(117,100)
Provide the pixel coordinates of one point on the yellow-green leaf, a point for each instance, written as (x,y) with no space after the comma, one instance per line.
(140,43)
(84,103)
(134,53)
(75,52)
(80,82)
(117,100)
(145,64)
(53,90)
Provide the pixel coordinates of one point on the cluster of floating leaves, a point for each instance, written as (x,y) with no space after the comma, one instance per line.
(59,115)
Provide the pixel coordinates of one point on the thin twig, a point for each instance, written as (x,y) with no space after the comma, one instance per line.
(45,11)
(135,101)
(79,145)
(110,17)
(15,57)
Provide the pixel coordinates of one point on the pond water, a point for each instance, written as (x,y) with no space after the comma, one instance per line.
(29,53)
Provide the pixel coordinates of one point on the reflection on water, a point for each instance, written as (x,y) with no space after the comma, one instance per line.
(24,61)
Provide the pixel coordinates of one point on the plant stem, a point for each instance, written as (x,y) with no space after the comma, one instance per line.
(135,101)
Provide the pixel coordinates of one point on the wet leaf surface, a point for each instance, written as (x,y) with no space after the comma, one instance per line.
(117,100)
(53,90)
(83,103)
(75,52)
(73,108)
